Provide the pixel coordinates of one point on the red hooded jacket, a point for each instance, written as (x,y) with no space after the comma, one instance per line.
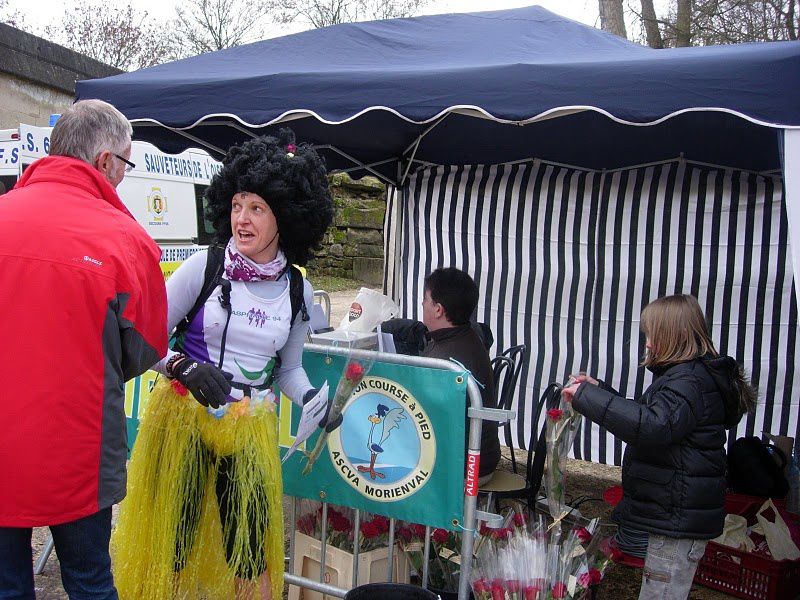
(82,309)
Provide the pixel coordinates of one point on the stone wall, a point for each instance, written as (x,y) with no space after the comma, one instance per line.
(353,246)
(37,77)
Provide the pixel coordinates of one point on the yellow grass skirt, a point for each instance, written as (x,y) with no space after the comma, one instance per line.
(178,445)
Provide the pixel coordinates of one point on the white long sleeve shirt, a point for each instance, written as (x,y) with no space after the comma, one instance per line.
(259,328)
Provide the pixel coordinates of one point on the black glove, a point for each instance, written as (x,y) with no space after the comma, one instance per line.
(324,421)
(208,385)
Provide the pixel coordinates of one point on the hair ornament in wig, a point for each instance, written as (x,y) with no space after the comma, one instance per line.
(296,191)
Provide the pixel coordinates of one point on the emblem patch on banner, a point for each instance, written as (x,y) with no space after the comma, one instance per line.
(385,447)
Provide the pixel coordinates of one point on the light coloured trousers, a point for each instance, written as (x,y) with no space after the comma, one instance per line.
(669,567)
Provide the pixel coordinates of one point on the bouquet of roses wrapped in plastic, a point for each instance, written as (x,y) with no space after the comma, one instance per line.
(538,563)
(355,369)
(560,430)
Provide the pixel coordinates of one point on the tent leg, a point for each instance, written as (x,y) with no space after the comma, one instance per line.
(42,560)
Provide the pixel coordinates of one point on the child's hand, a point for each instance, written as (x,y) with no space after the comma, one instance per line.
(569,391)
(581,377)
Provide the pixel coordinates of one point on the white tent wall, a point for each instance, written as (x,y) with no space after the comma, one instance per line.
(565,260)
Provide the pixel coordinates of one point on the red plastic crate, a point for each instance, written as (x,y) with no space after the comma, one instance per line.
(747,575)
(743,574)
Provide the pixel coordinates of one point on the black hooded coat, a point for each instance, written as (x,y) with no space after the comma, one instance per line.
(673,471)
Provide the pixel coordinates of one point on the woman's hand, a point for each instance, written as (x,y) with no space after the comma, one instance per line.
(323,424)
(208,385)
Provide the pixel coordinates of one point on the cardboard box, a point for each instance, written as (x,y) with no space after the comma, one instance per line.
(372,567)
(785,444)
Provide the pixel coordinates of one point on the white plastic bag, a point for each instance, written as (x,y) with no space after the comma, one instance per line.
(777,533)
(735,534)
(368,310)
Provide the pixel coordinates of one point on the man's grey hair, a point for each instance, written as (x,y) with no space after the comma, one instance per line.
(88,128)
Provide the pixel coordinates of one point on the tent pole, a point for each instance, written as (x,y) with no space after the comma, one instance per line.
(415,146)
(203,144)
(791,197)
(356,161)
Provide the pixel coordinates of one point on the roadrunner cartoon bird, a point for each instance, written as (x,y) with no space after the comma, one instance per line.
(391,420)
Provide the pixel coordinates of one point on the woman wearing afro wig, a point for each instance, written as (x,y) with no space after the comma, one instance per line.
(203,514)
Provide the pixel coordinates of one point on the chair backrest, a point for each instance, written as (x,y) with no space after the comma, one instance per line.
(518,354)
(503,374)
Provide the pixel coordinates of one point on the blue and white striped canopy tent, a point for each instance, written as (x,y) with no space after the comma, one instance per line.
(575,175)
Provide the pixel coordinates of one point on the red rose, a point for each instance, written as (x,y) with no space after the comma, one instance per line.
(382,523)
(519,520)
(555,414)
(591,577)
(531,592)
(341,523)
(179,388)
(369,530)
(559,590)
(480,586)
(440,536)
(485,529)
(583,534)
(419,530)
(512,585)
(405,534)
(354,372)
(616,554)
(306,524)
(498,591)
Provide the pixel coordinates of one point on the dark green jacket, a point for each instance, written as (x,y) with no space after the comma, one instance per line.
(463,345)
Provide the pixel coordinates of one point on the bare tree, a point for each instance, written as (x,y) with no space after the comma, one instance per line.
(651,25)
(119,36)
(709,22)
(208,25)
(321,13)
(612,18)
(11,17)
(736,21)
(683,23)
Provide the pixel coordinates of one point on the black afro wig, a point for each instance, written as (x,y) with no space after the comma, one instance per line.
(292,180)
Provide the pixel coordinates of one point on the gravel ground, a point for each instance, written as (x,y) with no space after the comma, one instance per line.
(583,479)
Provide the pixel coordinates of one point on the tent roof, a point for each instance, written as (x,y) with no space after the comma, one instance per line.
(370,89)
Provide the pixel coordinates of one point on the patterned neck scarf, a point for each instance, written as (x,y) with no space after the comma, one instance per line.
(240,268)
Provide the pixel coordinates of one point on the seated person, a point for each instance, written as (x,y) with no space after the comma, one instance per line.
(450,298)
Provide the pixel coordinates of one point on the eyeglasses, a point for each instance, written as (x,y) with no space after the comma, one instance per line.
(129,166)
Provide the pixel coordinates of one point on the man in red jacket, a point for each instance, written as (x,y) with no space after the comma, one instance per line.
(82,310)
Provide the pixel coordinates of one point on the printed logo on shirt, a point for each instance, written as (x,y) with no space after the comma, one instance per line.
(385,447)
(86,259)
(257,317)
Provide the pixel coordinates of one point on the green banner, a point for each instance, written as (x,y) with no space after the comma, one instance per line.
(399,451)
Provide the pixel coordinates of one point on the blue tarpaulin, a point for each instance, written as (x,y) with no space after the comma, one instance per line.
(368,91)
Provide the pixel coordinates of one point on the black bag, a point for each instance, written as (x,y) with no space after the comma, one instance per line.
(752,468)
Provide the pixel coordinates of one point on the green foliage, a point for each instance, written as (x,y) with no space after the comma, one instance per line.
(331,283)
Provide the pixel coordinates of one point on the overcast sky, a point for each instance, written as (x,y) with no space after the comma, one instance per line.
(44,12)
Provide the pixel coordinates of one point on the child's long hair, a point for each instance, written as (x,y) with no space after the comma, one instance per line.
(677,331)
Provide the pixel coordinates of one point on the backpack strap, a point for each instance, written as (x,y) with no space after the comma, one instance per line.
(296,295)
(215,265)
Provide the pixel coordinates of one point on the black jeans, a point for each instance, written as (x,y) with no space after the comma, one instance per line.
(82,548)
